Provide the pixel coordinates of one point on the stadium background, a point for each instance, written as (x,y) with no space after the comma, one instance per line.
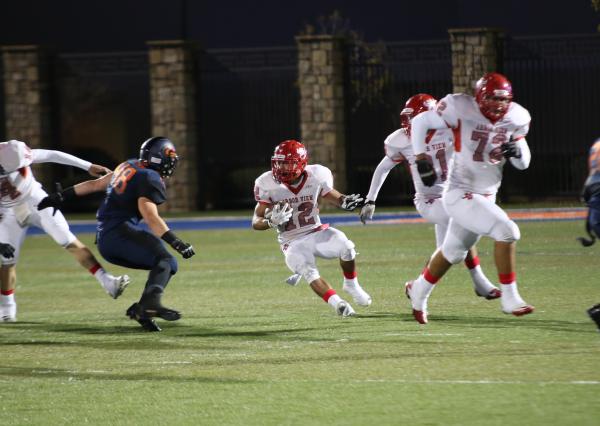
(98,96)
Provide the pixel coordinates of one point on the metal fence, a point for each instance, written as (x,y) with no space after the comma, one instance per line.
(380,78)
(249,102)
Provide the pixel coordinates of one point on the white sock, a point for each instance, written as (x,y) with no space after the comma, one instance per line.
(421,289)
(480,280)
(7,299)
(102,276)
(334,300)
(351,282)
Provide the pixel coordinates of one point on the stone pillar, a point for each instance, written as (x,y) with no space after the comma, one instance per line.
(475,51)
(26,97)
(174,115)
(321,63)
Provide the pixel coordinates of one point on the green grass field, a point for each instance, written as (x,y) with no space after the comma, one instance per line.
(251,350)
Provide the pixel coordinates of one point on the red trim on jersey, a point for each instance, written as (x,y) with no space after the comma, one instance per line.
(429,136)
(321,227)
(328,294)
(507,278)
(431,279)
(472,263)
(7,292)
(350,275)
(298,188)
(456,134)
(23,171)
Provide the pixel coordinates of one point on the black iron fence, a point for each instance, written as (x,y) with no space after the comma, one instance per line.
(249,102)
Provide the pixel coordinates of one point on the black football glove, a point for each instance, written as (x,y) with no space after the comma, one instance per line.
(7,251)
(56,199)
(426,171)
(510,149)
(184,249)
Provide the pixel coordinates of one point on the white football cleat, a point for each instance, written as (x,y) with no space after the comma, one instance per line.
(344,309)
(513,304)
(115,286)
(360,296)
(293,280)
(8,312)
(419,315)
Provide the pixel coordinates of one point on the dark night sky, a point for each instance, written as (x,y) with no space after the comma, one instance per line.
(78,25)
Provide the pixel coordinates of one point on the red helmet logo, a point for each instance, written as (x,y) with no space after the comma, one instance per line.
(415,105)
(493,94)
(288,161)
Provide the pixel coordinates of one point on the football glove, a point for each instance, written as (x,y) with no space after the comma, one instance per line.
(367,211)
(510,149)
(184,249)
(56,199)
(279,215)
(350,202)
(426,171)
(7,251)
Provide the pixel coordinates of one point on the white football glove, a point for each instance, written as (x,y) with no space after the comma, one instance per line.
(279,215)
(367,211)
(350,202)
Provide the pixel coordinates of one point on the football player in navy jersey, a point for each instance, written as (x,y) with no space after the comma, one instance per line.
(133,192)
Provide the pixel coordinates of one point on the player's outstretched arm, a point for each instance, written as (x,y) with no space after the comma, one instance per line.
(59,157)
(344,202)
(149,211)
(57,198)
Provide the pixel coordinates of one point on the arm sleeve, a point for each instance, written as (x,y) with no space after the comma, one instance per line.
(523,162)
(379,176)
(420,125)
(51,156)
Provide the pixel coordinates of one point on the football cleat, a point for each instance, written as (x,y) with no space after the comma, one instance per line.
(8,312)
(408,288)
(116,285)
(360,296)
(147,324)
(594,313)
(494,293)
(344,309)
(516,306)
(420,316)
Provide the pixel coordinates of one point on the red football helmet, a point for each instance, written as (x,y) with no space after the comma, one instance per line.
(288,161)
(415,105)
(493,94)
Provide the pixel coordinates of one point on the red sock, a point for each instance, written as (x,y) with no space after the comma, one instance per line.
(431,279)
(7,292)
(95,268)
(328,294)
(507,278)
(350,275)
(472,263)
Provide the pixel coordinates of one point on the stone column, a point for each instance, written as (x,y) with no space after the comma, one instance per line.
(26,97)
(475,51)
(174,115)
(321,63)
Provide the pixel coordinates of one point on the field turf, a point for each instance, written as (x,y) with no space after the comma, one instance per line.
(251,350)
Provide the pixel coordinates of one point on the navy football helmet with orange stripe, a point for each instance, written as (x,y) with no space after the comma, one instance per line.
(158,153)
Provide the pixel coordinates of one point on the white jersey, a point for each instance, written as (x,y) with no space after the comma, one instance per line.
(17,182)
(316,181)
(439,150)
(16,179)
(478,159)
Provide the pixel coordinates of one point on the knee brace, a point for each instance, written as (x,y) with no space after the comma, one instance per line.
(172,264)
(348,253)
(506,232)
(453,249)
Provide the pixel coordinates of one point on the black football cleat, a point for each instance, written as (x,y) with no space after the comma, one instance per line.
(147,324)
(151,307)
(594,313)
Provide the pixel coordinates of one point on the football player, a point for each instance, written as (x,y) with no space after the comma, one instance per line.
(490,130)
(20,194)
(288,201)
(591,196)
(133,192)
(398,149)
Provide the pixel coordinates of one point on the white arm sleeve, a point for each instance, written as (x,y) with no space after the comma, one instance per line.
(420,125)
(51,156)
(523,162)
(379,176)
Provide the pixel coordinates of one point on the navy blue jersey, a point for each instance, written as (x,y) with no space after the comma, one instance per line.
(130,181)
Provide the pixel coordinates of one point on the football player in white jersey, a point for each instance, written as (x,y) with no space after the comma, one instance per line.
(288,200)
(490,130)
(428,199)
(20,194)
